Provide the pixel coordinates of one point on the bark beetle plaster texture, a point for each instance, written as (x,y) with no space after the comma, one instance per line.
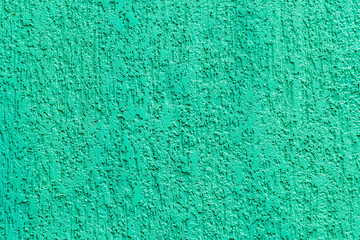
(187,119)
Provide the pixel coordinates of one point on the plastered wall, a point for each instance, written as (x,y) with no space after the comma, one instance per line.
(179,119)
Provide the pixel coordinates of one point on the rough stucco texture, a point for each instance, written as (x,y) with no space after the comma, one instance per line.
(179,119)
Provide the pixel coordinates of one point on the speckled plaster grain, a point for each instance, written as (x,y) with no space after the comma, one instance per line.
(187,119)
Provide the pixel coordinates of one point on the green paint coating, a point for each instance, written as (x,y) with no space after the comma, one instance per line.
(179,119)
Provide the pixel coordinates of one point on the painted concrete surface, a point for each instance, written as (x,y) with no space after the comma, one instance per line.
(179,119)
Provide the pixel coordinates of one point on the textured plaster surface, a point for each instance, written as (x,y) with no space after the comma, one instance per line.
(185,119)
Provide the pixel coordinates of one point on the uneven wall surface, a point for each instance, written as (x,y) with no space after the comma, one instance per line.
(185,119)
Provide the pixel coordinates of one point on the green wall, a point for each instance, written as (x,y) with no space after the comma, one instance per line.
(185,119)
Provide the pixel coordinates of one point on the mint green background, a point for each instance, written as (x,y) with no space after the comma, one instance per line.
(179,119)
